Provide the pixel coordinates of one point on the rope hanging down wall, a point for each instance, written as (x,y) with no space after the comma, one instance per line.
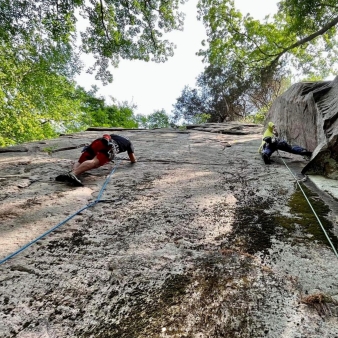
(97,200)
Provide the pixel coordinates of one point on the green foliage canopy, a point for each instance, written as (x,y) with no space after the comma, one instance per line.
(96,113)
(114,28)
(222,94)
(158,119)
(191,104)
(250,61)
(39,56)
(37,94)
(33,101)
(301,36)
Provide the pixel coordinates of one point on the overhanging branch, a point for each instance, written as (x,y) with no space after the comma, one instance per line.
(309,38)
(322,31)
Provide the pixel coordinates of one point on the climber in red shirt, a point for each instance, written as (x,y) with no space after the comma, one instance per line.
(98,153)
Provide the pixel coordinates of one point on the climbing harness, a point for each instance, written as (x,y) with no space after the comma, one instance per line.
(97,200)
(320,223)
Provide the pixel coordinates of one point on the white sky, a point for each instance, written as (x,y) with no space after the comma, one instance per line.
(153,86)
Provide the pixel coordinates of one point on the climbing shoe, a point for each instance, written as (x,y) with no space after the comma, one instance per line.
(74,180)
(266,159)
(306,153)
(63,178)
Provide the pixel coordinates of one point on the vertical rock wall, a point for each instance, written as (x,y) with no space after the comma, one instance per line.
(306,115)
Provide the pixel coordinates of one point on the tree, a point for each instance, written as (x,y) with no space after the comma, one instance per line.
(222,94)
(96,113)
(301,36)
(37,94)
(141,121)
(158,119)
(115,28)
(190,105)
(249,62)
(36,105)
(34,99)
(122,115)
(39,57)
(224,91)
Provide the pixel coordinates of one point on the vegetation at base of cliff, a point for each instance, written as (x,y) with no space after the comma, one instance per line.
(63,107)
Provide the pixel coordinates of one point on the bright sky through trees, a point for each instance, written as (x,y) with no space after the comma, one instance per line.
(155,86)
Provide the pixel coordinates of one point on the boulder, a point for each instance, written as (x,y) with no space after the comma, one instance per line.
(306,115)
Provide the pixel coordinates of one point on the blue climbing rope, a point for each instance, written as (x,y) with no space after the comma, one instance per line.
(97,200)
(313,210)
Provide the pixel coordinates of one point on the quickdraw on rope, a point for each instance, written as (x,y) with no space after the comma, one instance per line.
(97,200)
(314,212)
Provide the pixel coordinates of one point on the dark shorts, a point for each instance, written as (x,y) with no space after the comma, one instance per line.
(98,149)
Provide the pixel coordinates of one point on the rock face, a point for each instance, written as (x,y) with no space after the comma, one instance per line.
(306,114)
(197,239)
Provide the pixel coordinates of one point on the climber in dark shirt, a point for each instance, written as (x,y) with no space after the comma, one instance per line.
(98,153)
(122,144)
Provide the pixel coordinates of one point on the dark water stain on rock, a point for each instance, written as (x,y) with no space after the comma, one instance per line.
(253,227)
(303,220)
(215,299)
(145,305)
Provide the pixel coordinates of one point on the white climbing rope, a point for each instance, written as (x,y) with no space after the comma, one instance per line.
(314,212)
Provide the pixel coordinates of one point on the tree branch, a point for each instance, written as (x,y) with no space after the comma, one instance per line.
(249,38)
(303,41)
(102,20)
(324,5)
(146,3)
(322,31)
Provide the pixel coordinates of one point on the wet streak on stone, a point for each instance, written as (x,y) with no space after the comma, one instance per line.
(252,227)
(225,303)
(147,307)
(303,221)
